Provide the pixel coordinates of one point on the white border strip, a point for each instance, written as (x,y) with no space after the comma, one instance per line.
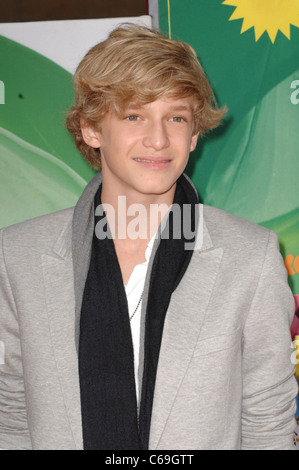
(153,7)
(65,42)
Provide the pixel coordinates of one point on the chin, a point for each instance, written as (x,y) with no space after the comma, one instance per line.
(156,185)
(158,191)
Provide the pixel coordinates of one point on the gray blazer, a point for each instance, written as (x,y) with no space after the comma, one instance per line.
(225,378)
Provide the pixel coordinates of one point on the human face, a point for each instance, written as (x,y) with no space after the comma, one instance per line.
(146,148)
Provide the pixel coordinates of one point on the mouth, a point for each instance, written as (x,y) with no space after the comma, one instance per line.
(153,163)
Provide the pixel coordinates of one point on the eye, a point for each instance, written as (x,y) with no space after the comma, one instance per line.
(132,117)
(177,119)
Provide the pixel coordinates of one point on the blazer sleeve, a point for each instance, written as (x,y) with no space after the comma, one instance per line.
(269,384)
(14,433)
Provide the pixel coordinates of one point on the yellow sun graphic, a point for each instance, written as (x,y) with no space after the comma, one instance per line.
(266,15)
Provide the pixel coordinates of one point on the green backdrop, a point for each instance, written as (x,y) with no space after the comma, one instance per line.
(249,166)
(40,168)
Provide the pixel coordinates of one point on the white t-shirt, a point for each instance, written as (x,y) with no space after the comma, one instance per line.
(134,289)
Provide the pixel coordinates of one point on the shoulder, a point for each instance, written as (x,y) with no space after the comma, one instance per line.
(230,230)
(38,232)
(250,255)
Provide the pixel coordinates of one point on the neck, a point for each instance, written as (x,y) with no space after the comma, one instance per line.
(133,217)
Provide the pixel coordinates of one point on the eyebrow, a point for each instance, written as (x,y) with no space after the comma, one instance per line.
(171,109)
(181,108)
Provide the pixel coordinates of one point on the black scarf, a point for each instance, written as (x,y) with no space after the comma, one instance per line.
(106,361)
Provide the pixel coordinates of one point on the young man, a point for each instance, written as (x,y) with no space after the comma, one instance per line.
(148,335)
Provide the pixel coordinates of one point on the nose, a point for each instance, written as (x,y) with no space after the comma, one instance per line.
(156,135)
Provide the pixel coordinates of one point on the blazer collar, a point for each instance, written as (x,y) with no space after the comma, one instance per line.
(82,233)
(64,271)
(72,236)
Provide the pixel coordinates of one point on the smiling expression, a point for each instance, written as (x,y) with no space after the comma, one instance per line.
(146,148)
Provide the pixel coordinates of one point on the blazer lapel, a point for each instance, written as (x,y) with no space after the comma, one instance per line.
(60,299)
(182,328)
(65,271)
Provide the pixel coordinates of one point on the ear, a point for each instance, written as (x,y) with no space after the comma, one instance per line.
(193,143)
(90,135)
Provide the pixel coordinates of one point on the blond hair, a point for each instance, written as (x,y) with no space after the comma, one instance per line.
(137,64)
